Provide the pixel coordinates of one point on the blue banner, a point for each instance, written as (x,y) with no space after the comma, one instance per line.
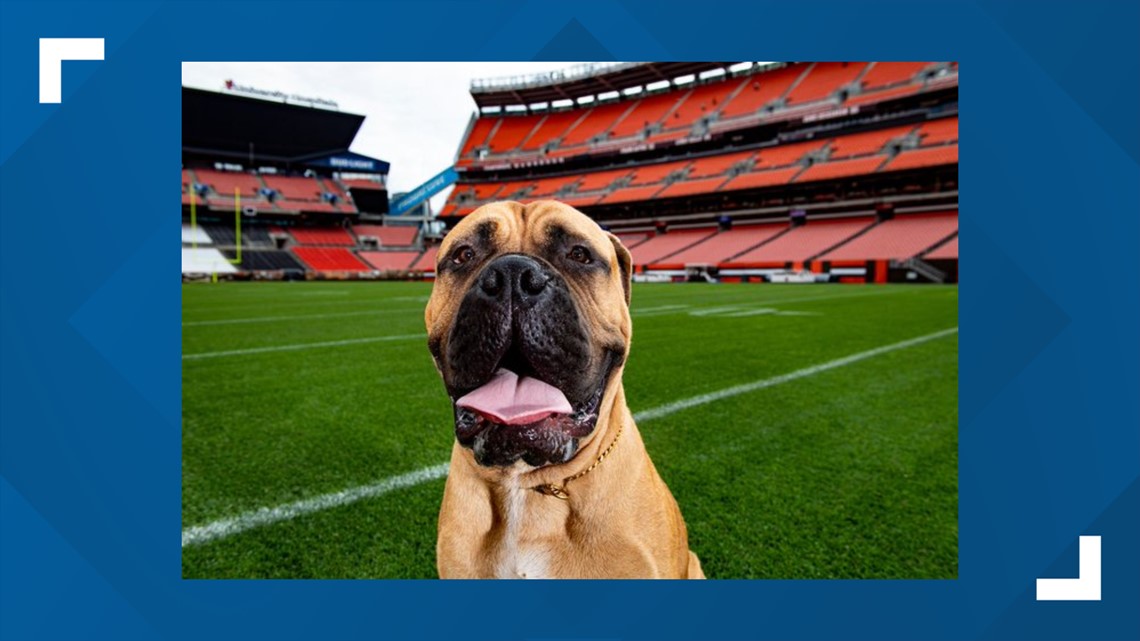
(350,161)
(410,200)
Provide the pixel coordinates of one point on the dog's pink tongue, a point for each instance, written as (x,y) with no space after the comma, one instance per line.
(512,400)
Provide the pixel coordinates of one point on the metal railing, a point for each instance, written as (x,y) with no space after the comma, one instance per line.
(547,78)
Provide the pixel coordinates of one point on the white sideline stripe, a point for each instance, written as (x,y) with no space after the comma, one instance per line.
(272,319)
(299,346)
(268,516)
(737,390)
(658,308)
(761,301)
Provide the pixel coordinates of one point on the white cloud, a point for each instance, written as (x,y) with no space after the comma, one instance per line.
(415,112)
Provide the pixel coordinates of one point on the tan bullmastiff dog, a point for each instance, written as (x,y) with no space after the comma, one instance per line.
(529,326)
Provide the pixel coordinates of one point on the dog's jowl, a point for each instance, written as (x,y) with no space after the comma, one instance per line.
(529,326)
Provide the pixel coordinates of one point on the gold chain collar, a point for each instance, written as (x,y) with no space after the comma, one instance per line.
(558,491)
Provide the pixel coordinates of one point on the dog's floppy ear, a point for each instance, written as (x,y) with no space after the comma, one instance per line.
(625,263)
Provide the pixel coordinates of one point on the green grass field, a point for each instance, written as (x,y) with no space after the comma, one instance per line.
(851,472)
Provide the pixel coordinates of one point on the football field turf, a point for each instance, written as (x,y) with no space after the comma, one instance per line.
(315,425)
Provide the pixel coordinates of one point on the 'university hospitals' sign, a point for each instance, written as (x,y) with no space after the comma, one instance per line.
(433,186)
(340,162)
(350,161)
(280,95)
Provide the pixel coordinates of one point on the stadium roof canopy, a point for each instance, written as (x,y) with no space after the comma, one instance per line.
(224,125)
(580,81)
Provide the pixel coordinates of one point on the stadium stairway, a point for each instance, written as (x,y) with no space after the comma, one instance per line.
(662,246)
(754,247)
(426,260)
(901,237)
(946,250)
(720,246)
(850,238)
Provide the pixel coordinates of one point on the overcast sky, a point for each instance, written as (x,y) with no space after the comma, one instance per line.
(415,112)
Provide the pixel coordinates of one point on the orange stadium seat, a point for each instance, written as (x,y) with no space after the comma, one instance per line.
(703,101)
(663,245)
(478,136)
(947,250)
(938,131)
(596,123)
(925,157)
(650,174)
(718,165)
(330,259)
(882,74)
(426,261)
(630,240)
(724,245)
(762,178)
(485,191)
(389,260)
(668,136)
(581,201)
(362,183)
(225,182)
(512,131)
(867,142)
(318,206)
(630,194)
(549,186)
(510,189)
(601,179)
(692,187)
(332,186)
(901,237)
(824,79)
(841,168)
(294,187)
(762,89)
(403,236)
(885,94)
(647,111)
(804,242)
(553,127)
(324,236)
(786,154)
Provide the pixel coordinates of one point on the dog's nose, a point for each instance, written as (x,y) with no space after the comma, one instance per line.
(521,276)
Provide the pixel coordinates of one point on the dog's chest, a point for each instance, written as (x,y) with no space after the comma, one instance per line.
(520,556)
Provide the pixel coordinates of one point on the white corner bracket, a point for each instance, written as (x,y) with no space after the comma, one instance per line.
(53,51)
(1086,587)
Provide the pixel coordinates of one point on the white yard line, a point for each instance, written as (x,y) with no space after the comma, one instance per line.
(736,390)
(300,346)
(269,515)
(697,310)
(273,319)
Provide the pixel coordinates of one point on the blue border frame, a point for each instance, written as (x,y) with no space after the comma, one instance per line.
(1049,314)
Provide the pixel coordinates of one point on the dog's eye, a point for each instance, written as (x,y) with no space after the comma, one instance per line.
(462,255)
(580,254)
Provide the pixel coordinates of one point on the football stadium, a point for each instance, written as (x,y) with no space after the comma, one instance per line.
(793,370)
